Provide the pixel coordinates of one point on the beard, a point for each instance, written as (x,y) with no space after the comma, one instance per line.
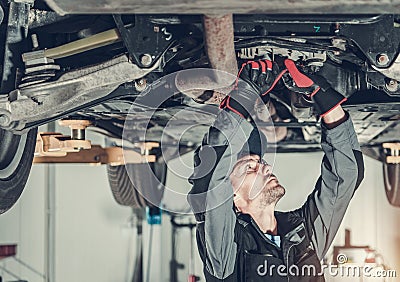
(271,195)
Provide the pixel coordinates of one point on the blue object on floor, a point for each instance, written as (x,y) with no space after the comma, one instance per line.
(153,215)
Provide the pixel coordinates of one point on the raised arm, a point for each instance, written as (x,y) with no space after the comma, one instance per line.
(342,168)
(342,171)
(211,197)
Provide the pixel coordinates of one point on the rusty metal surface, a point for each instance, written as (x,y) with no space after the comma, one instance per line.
(222,7)
(194,82)
(219,41)
(218,32)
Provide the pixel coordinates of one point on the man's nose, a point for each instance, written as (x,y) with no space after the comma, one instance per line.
(265,169)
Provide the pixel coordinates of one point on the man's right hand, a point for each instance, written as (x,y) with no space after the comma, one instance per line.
(256,79)
(261,75)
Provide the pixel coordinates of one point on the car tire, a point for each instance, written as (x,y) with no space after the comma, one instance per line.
(391,177)
(16,156)
(135,185)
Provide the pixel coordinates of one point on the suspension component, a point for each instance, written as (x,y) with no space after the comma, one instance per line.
(38,69)
(58,145)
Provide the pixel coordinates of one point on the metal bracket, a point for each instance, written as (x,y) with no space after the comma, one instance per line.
(394,157)
(58,148)
(149,39)
(378,38)
(98,155)
(58,145)
(392,72)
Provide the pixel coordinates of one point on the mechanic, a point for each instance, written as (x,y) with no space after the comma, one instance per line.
(240,236)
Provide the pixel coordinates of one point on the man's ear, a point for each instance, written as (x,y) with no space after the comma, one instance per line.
(238,202)
(236,209)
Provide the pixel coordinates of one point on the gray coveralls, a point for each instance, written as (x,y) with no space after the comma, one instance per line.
(231,245)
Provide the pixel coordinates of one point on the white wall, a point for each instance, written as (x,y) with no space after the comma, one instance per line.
(93,240)
(93,237)
(370,218)
(24,225)
(91,232)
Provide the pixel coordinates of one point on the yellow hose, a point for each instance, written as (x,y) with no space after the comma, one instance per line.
(98,40)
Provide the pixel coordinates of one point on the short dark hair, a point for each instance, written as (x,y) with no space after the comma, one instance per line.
(255,145)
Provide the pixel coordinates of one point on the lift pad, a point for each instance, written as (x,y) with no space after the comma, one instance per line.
(394,157)
(58,145)
(57,148)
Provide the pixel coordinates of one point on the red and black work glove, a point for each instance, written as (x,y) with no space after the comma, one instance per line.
(256,79)
(316,87)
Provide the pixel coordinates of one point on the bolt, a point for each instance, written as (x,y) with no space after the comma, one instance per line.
(382,59)
(339,43)
(392,85)
(4,120)
(78,134)
(337,27)
(156,29)
(140,84)
(146,60)
(35,42)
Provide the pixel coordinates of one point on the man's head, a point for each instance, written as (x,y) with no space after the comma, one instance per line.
(254,185)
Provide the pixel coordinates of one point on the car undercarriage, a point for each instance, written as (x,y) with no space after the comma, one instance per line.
(95,67)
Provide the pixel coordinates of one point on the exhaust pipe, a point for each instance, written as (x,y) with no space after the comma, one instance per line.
(213,86)
(218,33)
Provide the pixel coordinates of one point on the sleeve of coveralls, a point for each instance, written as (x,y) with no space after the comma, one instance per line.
(211,197)
(342,171)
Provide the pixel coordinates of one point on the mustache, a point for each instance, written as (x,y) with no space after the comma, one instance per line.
(256,191)
(271,178)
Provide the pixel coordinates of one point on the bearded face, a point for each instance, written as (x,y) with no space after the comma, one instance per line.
(254,184)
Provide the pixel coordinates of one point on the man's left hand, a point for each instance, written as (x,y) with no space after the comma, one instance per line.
(325,98)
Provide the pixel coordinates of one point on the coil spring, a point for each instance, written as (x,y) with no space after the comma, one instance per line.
(38,73)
